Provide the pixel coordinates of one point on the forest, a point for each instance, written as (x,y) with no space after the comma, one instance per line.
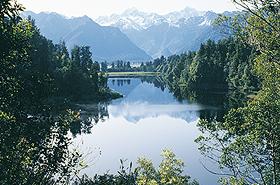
(225,65)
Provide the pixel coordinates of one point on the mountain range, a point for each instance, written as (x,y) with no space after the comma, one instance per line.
(138,20)
(106,42)
(133,35)
(173,33)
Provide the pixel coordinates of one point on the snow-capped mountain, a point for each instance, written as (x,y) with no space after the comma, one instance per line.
(173,33)
(138,20)
(133,35)
(131,19)
(174,18)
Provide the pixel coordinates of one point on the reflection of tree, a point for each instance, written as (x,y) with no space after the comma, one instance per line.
(219,102)
(35,144)
(122,82)
(89,115)
(156,81)
(35,149)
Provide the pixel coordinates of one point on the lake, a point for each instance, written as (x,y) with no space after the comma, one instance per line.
(148,119)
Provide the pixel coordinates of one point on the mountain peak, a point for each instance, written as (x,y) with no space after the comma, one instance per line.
(54,14)
(132,18)
(85,18)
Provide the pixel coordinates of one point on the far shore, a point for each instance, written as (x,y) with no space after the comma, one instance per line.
(130,74)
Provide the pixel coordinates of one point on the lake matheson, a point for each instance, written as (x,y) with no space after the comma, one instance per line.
(147,120)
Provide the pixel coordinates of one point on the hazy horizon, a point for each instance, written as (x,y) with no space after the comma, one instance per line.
(106,8)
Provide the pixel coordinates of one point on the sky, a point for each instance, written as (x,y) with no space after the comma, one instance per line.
(95,8)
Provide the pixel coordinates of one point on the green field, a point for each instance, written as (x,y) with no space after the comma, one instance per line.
(131,74)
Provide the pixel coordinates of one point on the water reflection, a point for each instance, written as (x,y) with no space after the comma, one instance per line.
(118,139)
(90,115)
(35,149)
(121,82)
(148,119)
(143,100)
(134,112)
(215,103)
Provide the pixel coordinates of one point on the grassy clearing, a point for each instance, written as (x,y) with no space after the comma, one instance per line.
(131,74)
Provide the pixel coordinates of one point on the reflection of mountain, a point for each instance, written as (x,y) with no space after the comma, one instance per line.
(146,98)
(151,94)
(137,89)
(143,100)
(133,112)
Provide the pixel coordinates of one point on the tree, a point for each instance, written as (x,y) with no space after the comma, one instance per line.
(27,129)
(247,142)
(14,43)
(215,66)
(170,171)
(104,66)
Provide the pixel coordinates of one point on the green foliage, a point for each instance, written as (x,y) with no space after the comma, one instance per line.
(170,169)
(35,150)
(35,140)
(9,11)
(247,142)
(147,172)
(120,66)
(215,66)
(81,78)
(104,66)
(248,139)
(14,47)
(170,172)
(263,26)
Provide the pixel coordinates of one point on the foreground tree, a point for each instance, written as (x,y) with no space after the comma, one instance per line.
(170,172)
(34,126)
(247,143)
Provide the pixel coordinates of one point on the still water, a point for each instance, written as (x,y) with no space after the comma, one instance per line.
(148,119)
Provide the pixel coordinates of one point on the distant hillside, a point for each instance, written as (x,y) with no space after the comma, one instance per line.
(106,42)
(168,34)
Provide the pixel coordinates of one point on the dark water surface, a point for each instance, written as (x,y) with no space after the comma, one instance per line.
(148,119)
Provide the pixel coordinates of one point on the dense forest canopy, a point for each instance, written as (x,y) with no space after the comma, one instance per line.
(225,65)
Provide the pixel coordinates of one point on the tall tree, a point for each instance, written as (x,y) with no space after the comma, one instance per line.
(247,143)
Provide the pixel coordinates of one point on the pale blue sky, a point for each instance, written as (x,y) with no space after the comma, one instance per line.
(95,8)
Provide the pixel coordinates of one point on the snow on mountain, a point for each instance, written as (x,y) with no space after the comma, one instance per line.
(131,19)
(168,34)
(174,17)
(138,20)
